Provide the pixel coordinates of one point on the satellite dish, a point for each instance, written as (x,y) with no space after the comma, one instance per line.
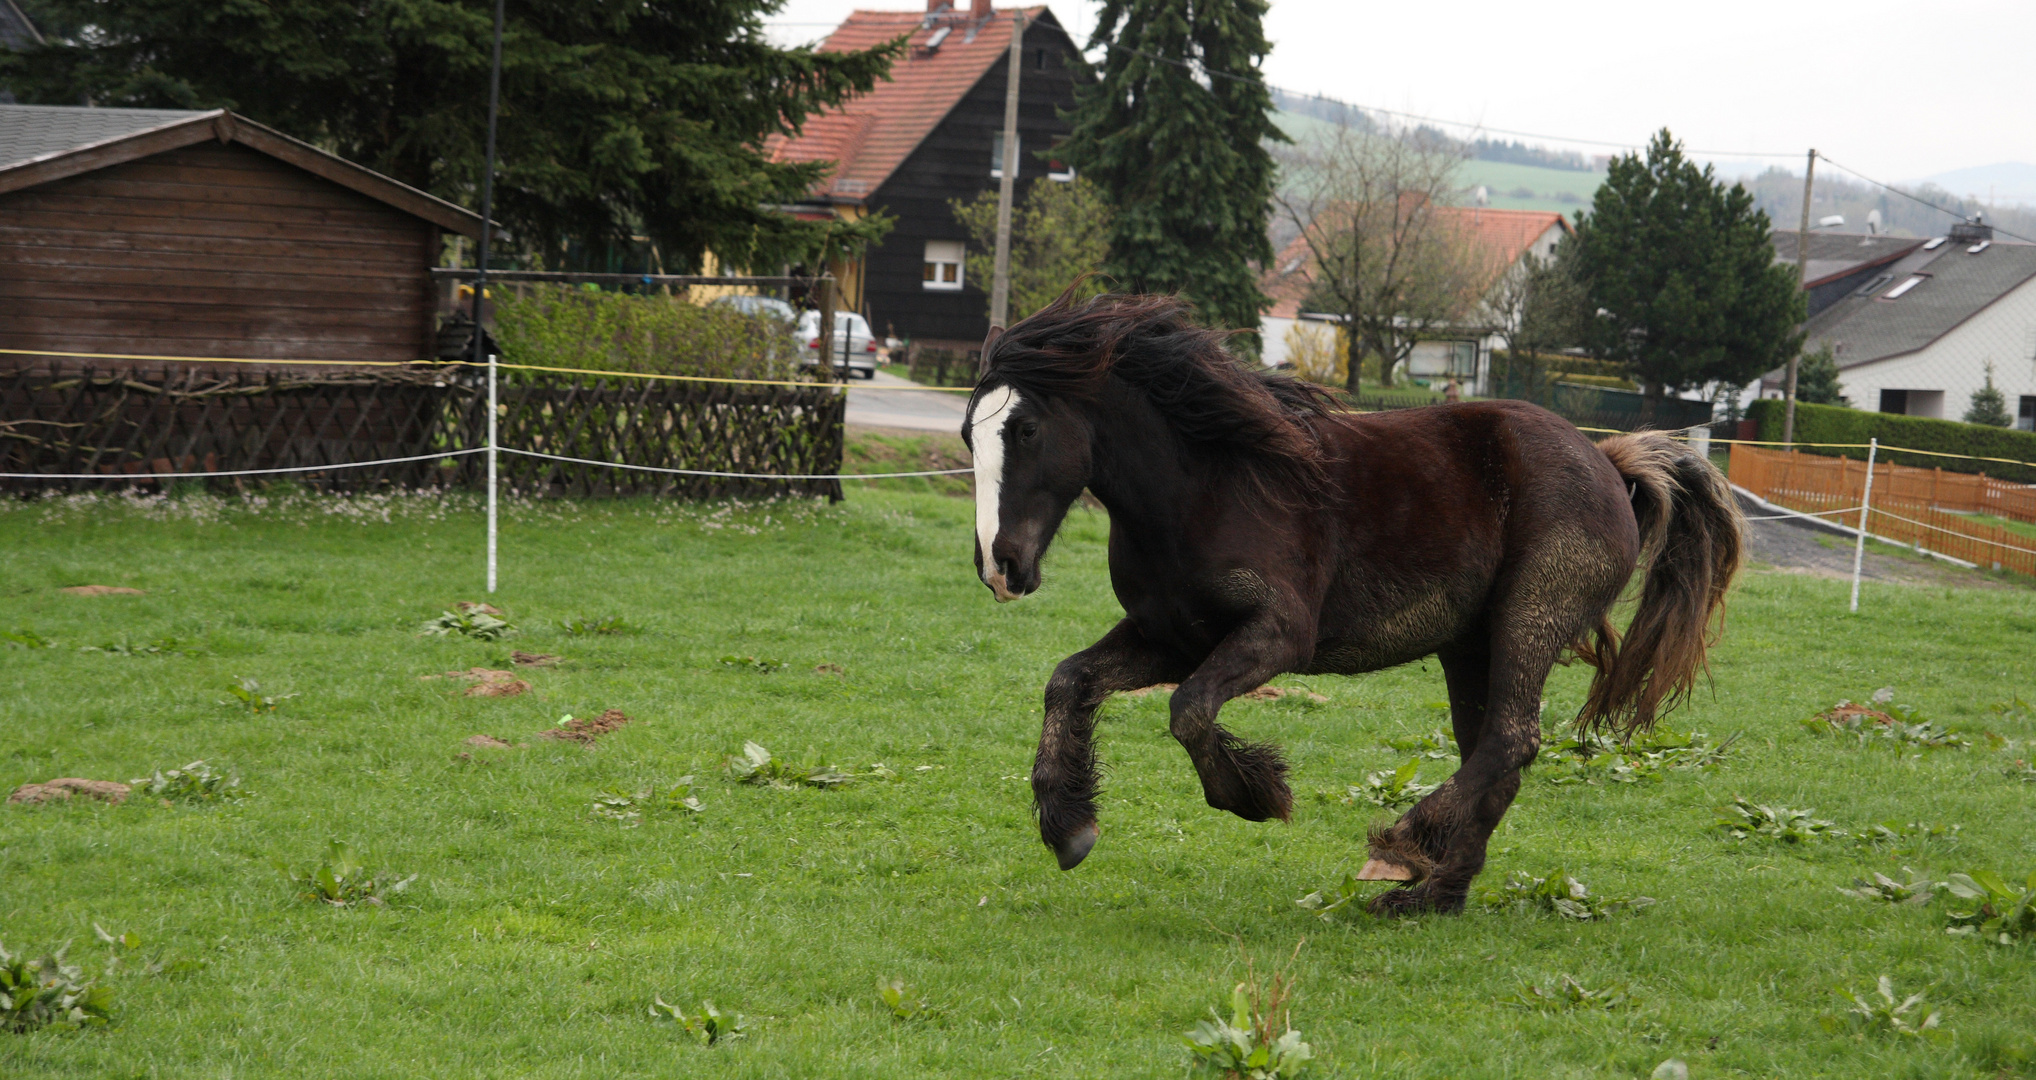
(1873,222)
(1832,222)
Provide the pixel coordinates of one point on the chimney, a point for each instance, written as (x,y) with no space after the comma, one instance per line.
(1972,232)
(979,9)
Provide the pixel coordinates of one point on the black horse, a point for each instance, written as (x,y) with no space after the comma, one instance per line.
(1255,529)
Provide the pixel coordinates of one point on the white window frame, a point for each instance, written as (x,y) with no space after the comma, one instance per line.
(939,281)
(997,155)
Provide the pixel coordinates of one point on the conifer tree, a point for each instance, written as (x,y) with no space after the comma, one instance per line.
(1680,272)
(1988,405)
(619,118)
(1173,131)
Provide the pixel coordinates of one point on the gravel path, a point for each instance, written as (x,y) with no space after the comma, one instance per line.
(1796,547)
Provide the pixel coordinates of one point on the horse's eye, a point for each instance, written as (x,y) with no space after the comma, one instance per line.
(1027,430)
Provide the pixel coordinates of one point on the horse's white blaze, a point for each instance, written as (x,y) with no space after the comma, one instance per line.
(986,438)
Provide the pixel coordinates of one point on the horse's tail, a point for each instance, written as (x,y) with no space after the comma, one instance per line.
(1691,539)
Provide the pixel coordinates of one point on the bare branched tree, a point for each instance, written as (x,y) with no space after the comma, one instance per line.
(1540,304)
(1382,258)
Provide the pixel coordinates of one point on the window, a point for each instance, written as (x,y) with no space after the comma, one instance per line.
(1039,59)
(1463,360)
(1897,292)
(943,265)
(1056,169)
(1894,401)
(997,156)
(2025,417)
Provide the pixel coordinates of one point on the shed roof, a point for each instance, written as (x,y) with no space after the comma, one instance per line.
(872,135)
(41,143)
(16,31)
(1955,285)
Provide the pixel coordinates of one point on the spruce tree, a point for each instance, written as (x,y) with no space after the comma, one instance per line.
(1988,405)
(1681,273)
(1173,131)
(618,118)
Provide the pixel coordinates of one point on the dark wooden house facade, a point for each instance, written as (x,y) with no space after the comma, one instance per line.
(931,134)
(159,233)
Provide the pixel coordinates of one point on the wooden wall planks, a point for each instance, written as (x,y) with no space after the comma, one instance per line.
(213,250)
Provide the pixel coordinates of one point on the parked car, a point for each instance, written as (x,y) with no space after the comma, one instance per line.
(759,305)
(855,348)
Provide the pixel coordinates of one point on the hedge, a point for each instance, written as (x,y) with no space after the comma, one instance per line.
(1836,424)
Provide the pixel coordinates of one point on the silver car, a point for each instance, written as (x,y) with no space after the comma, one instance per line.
(855,348)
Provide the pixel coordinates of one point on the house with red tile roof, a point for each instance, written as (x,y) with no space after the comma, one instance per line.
(931,133)
(1498,241)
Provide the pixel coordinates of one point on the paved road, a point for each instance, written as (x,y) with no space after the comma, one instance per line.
(920,410)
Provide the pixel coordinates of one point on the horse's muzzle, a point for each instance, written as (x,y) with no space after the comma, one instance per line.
(1009,584)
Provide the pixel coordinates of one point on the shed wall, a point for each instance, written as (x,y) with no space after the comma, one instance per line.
(213,250)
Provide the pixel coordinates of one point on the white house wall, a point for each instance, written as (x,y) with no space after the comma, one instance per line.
(2003,332)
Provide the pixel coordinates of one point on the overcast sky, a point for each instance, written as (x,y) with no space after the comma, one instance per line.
(1899,91)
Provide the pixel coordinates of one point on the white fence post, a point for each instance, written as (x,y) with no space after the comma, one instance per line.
(1865,500)
(491,471)
(1700,440)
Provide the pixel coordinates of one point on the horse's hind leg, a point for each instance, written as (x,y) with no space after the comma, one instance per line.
(1412,848)
(1064,771)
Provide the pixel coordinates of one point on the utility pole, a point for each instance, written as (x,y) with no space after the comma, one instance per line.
(1802,280)
(825,344)
(1000,284)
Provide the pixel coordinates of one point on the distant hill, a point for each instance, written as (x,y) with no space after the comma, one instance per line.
(2008,182)
(1512,186)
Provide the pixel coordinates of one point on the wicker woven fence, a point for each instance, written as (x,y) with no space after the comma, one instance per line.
(135,423)
(1923,508)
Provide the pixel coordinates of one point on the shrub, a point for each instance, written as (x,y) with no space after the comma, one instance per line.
(1831,424)
(560,326)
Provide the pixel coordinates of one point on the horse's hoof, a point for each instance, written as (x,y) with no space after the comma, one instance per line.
(1395,902)
(1381,870)
(1075,848)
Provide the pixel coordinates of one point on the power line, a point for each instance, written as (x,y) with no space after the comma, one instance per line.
(1915,198)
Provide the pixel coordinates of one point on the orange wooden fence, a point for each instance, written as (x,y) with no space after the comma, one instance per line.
(1917,507)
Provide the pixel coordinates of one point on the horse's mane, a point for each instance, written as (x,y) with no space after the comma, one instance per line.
(1257,420)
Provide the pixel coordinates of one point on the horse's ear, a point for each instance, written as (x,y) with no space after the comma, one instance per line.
(989,342)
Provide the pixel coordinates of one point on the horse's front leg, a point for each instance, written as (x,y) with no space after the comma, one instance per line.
(1064,772)
(1248,779)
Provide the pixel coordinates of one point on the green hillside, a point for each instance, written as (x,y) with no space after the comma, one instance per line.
(1512,187)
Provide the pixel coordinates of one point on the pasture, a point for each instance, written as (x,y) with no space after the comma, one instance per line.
(538,931)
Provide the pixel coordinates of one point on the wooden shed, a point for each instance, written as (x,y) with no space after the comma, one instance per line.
(203,234)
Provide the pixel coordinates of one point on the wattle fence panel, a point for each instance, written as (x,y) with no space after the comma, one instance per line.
(134,423)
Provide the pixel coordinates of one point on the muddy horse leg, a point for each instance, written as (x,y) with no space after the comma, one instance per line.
(1248,779)
(1410,853)
(1064,771)
(1449,830)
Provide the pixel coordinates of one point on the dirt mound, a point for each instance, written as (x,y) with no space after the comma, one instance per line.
(65,787)
(489,742)
(532,659)
(586,731)
(468,607)
(103,590)
(488,682)
(1845,710)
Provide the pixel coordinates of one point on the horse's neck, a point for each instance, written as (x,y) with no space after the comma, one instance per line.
(1137,470)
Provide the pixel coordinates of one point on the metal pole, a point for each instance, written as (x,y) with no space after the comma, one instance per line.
(1802,282)
(1865,499)
(481,280)
(1000,282)
(493,413)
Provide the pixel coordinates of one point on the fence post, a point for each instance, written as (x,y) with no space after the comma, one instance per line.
(492,411)
(1865,500)
(1700,440)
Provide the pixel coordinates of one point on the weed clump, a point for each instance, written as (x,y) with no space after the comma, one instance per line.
(1558,893)
(340,879)
(1745,819)
(762,665)
(627,807)
(1567,993)
(1920,891)
(1391,790)
(247,694)
(1257,1040)
(603,624)
(477,621)
(1879,1013)
(196,782)
(903,1000)
(709,1027)
(757,766)
(1899,727)
(49,992)
(2004,913)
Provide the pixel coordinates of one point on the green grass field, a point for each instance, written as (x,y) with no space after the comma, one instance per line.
(538,932)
